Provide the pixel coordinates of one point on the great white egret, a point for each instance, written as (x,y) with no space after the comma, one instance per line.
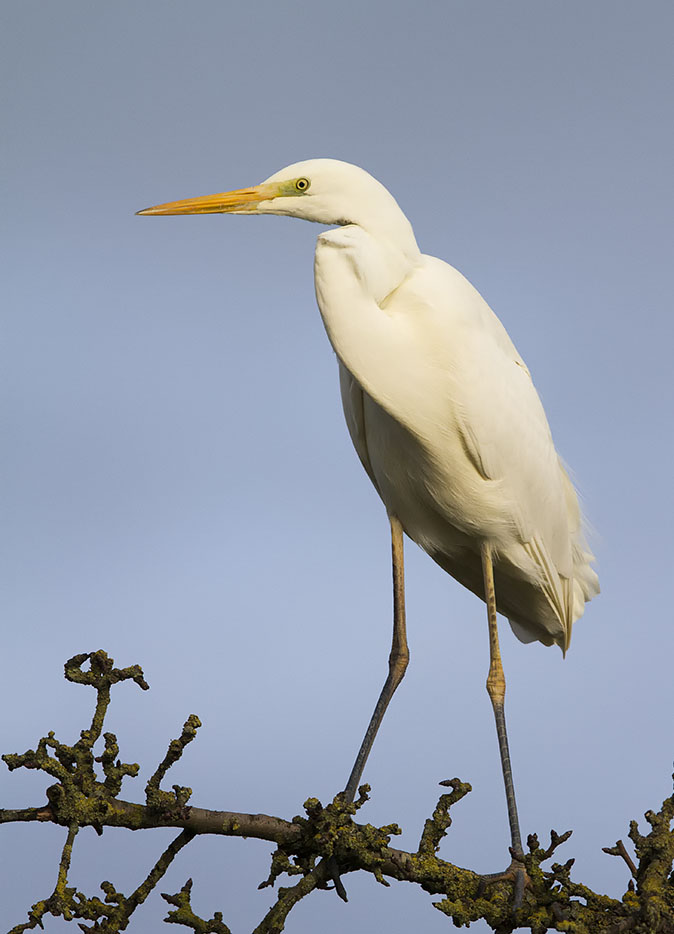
(444,416)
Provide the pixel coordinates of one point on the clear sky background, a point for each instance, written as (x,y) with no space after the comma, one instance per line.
(179,485)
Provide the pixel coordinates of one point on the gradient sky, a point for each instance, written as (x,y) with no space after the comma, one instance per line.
(180,487)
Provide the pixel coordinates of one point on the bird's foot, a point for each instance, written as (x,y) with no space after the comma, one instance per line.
(515,873)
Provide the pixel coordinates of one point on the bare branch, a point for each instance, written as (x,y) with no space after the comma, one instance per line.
(619,850)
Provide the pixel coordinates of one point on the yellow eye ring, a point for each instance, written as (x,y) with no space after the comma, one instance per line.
(302,184)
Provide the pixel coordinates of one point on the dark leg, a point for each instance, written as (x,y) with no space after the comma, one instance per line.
(397,662)
(496,689)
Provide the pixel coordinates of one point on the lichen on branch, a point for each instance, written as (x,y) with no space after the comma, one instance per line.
(321,847)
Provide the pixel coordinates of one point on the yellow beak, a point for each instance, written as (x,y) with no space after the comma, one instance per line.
(242,201)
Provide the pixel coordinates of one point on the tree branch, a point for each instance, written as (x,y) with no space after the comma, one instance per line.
(86,793)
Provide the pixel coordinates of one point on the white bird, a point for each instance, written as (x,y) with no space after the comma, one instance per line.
(444,416)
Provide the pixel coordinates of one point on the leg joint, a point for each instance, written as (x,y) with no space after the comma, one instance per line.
(398,660)
(496,686)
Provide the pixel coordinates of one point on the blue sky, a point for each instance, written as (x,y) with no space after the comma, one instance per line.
(180,487)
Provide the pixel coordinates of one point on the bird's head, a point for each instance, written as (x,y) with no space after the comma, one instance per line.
(323,190)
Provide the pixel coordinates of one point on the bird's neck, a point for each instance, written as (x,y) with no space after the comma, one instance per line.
(393,234)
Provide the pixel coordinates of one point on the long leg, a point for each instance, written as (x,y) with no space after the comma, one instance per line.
(496,689)
(397,662)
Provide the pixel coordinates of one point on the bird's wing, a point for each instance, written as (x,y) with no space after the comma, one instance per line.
(502,421)
(520,492)
(497,412)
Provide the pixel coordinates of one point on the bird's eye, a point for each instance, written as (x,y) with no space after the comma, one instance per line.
(302,184)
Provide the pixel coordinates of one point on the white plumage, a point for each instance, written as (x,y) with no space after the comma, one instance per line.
(440,406)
